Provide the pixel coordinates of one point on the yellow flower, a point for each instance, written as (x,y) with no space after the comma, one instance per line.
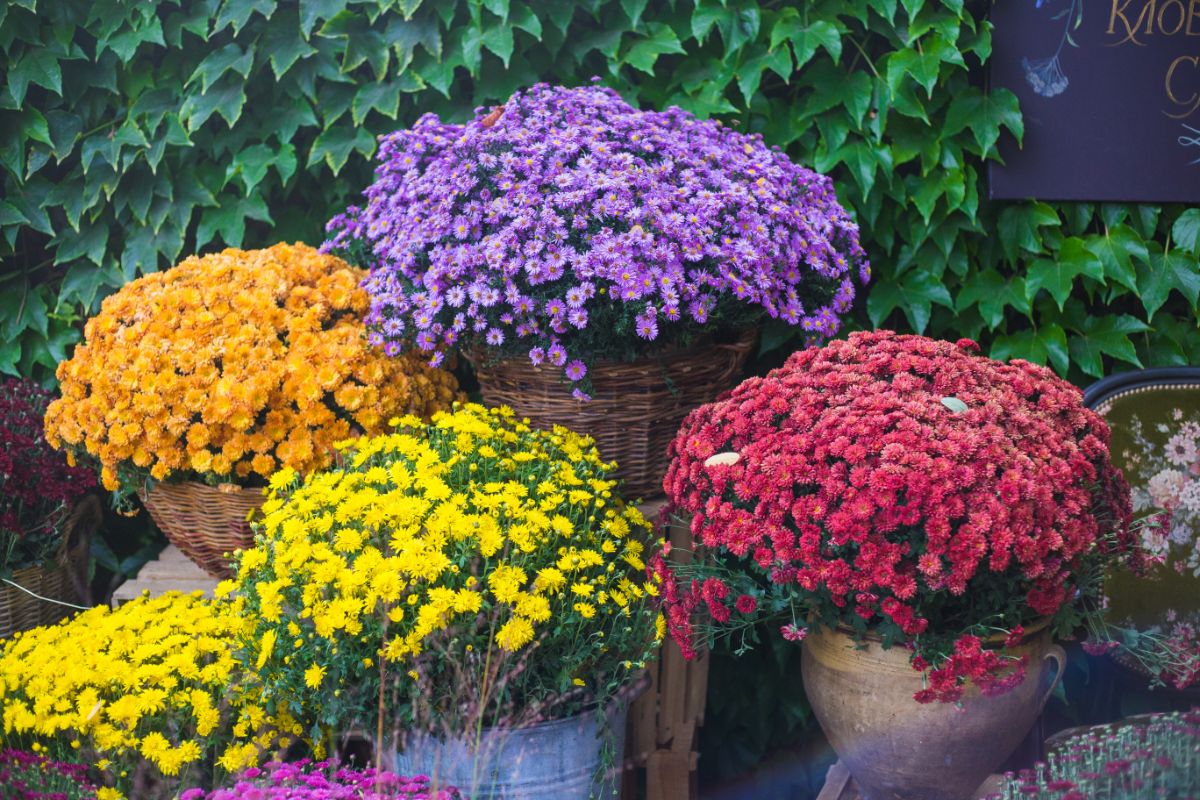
(515,634)
(506,581)
(248,359)
(313,676)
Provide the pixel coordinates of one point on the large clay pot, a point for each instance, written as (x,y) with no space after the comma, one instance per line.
(899,749)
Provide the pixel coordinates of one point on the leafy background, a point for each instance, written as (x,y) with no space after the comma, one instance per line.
(134,133)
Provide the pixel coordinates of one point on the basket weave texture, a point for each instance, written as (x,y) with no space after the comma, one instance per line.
(206,523)
(635,410)
(61,580)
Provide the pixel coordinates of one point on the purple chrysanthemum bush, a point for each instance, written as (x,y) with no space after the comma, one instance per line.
(570,226)
(304,780)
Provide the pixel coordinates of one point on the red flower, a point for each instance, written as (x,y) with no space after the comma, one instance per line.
(37,486)
(745,604)
(894,478)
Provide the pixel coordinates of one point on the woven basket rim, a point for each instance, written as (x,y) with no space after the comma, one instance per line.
(479,357)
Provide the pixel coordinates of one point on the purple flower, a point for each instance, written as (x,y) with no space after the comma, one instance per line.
(557,354)
(576,370)
(537,355)
(647,326)
(576,198)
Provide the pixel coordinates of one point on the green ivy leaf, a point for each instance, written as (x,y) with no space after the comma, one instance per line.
(1047,344)
(218,62)
(226,98)
(381,97)
(311,11)
(281,41)
(1164,273)
(993,294)
(1105,335)
(644,52)
(914,293)
(237,13)
(229,220)
(1186,231)
(334,145)
(1019,224)
(806,38)
(499,40)
(1116,248)
(39,66)
(1058,275)
(705,16)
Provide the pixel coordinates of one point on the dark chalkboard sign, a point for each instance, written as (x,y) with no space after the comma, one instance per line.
(1110,93)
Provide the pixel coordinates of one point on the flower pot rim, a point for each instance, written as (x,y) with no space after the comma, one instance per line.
(1032,629)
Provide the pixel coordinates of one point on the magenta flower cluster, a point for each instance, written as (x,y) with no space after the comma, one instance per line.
(34,776)
(304,780)
(567,215)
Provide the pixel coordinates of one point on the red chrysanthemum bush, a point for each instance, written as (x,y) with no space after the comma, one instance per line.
(897,487)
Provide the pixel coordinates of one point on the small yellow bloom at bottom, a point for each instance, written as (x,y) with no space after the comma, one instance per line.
(107,793)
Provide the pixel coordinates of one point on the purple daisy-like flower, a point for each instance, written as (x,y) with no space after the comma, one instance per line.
(570,197)
(537,355)
(576,370)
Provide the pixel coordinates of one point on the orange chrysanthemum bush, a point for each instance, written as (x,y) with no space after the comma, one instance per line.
(230,366)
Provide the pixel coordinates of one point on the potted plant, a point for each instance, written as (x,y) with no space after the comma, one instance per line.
(149,695)
(471,592)
(1142,758)
(46,515)
(576,248)
(924,519)
(195,384)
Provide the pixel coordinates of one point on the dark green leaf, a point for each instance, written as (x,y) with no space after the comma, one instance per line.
(1106,335)
(1186,231)
(1166,272)
(220,61)
(914,294)
(644,52)
(334,145)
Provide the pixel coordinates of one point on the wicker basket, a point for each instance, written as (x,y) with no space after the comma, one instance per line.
(206,523)
(635,410)
(63,581)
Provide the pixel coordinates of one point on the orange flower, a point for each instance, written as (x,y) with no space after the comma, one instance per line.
(240,362)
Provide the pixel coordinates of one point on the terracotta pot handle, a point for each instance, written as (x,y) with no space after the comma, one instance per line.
(1059,657)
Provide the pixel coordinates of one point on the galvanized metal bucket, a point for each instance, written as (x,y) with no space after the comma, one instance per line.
(557,760)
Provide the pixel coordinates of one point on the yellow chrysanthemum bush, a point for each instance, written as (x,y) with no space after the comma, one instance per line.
(230,366)
(448,576)
(153,684)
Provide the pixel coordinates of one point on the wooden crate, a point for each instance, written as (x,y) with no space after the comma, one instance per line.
(662,738)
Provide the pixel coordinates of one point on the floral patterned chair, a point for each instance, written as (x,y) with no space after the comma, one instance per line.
(1154,415)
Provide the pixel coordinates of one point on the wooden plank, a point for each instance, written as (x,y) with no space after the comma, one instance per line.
(669,777)
(172,571)
(673,692)
(836,781)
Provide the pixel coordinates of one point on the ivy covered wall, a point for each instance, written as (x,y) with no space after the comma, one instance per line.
(135,133)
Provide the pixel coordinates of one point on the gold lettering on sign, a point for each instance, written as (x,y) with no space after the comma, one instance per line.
(1131,30)
(1193,18)
(1190,104)
(1182,17)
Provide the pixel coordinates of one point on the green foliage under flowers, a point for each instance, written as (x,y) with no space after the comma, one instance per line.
(132,133)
